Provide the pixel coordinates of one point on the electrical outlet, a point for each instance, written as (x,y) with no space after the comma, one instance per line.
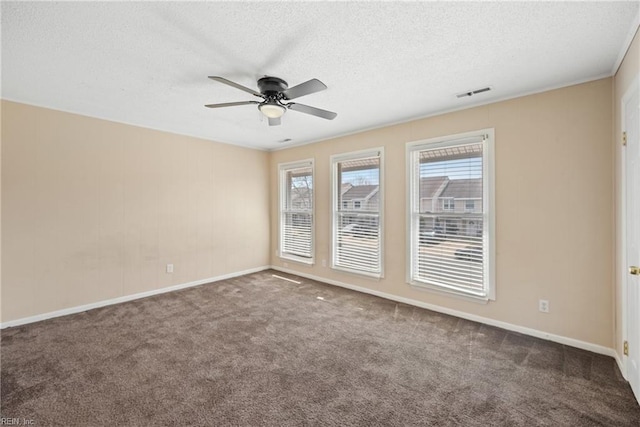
(543,305)
(169,268)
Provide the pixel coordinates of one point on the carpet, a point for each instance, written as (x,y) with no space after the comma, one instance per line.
(257,350)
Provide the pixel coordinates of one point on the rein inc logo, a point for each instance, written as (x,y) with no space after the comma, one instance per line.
(16,422)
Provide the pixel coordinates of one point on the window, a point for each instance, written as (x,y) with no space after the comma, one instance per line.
(357,224)
(448,204)
(296,211)
(452,251)
(469,205)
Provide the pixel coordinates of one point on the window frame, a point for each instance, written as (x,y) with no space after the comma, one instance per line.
(448,204)
(488,207)
(466,205)
(335,199)
(283,168)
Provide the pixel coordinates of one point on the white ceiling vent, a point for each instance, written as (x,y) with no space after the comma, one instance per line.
(473,92)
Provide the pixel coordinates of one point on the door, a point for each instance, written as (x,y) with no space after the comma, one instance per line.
(631,124)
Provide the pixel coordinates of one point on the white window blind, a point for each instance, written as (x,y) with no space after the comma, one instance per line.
(357,201)
(296,211)
(451,215)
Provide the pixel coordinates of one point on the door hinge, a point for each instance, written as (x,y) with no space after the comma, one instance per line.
(626,348)
(624,138)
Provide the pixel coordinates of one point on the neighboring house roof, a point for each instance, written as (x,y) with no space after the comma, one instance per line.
(437,186)
(463,189)
(345,187)
(430,186)
(358,192)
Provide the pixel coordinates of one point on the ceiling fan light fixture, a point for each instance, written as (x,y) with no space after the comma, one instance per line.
(272,110)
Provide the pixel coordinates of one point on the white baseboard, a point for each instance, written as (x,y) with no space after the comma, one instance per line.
(621,366)
(488,321)
(118,300)
(595,348)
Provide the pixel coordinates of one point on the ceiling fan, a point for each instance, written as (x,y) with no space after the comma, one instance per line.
(275,93)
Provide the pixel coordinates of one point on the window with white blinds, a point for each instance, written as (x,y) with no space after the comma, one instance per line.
(296,211)
(357,207)
(451,214)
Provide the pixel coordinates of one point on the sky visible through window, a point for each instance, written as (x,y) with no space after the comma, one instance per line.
(301,182)
(454,169)
(361,177)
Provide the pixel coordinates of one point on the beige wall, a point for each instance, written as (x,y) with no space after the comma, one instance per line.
(93,210)
(628,71)
(554,215)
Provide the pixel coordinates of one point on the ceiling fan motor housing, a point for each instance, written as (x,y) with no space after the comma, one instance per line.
(271,87)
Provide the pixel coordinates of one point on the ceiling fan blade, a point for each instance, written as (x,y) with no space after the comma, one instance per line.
(236,85)
(231,104)
(306,88)
(274,122)
(329,115)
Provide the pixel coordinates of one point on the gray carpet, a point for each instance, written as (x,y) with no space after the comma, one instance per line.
(257,350)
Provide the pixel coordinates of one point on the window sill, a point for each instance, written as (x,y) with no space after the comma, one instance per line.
(306,261)
(376,276)
(450,292)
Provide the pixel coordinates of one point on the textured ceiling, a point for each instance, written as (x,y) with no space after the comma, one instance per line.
(146,63)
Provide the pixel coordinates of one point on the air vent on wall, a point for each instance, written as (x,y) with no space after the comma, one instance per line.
(473,92)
